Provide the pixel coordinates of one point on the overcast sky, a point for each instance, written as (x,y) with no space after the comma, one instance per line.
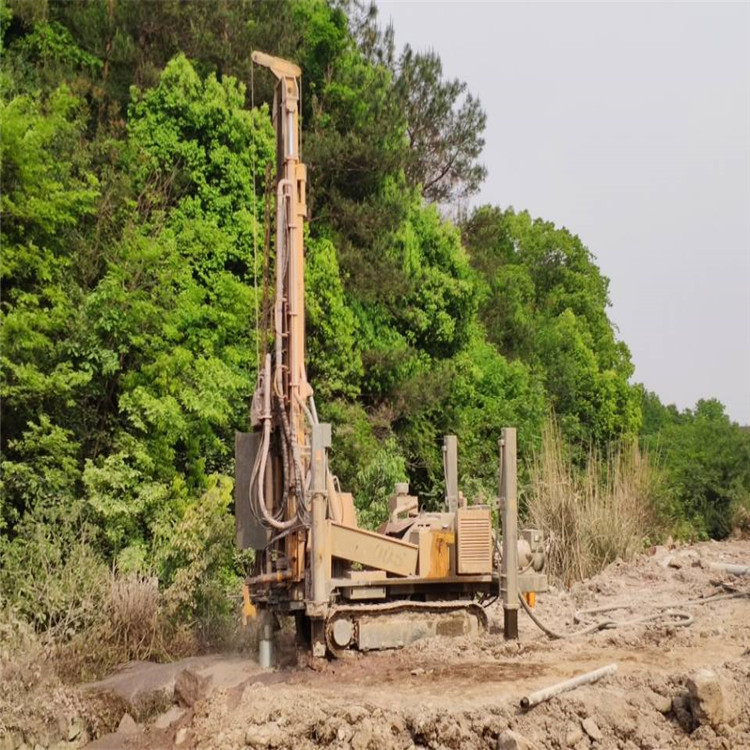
(629,124)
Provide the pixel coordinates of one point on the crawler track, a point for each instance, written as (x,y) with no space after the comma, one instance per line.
(356,611)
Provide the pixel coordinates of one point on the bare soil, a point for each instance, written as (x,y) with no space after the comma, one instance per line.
(460,693)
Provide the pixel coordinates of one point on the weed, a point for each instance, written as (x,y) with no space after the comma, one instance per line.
(594,514)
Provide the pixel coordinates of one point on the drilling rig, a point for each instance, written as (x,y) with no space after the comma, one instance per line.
(423,573)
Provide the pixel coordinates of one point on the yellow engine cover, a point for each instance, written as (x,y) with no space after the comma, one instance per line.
(474,540)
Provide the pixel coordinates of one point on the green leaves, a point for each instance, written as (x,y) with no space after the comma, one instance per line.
(148,361)
(46,184)
(334,359)
(705,458)
(436,312)
(195,140)
(546,304)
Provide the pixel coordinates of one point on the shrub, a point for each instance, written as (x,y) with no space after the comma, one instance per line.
(740,518)
(195,561)
(594,515)
(89,617)
(377,480)
(51,574)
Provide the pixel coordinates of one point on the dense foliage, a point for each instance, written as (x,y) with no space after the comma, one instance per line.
(706,460)
(134,161)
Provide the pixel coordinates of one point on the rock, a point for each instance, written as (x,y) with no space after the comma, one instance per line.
(687,558)
(69,727)
(681,710)
(592,729)
(661,703)
(147,688)
(76,728)
(169,717)
(45,737)
(265,736)
(64,745)
(128,725)
(710,699)
(363,736)
(355,713)
(112,741)
(181,736)
(510,740)
(397,725)
(142,686)
(190,687)
(573,735)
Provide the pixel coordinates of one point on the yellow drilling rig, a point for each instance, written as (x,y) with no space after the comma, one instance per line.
(422,573)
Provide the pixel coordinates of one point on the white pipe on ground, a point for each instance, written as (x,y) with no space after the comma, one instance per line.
(532,699)
(735,570)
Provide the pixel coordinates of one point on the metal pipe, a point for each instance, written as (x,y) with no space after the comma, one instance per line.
(260,477)
(532,699)
(277,577)
(279,306)
(265,639)
(334,508)
(509,506)
(321,568)
(312,406)
(450,469)
(735,570)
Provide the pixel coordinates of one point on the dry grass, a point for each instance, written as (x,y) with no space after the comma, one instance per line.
(131,625)
(593,516)
(740,519)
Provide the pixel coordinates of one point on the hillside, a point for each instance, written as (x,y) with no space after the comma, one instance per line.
(137,151)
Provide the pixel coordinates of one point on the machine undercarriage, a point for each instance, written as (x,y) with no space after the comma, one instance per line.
(421,573)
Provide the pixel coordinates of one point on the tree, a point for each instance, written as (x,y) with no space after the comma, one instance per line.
(706,461)
(544,301)
(444,124)
(49,192)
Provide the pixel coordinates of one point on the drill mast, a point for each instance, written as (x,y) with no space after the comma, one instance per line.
(279,488)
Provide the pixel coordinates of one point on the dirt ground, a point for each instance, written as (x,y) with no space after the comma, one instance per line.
(675,686)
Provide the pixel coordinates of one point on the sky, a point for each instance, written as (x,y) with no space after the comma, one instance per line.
(629,124)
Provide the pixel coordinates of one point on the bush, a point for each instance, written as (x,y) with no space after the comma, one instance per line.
(594,515)
(51,574)
(740,518)
(376,480)
(89,617)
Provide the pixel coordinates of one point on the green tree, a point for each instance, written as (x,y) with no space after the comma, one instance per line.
(545,302)
(49,192)
(334,362)
(175,306)
(706,460)
(444,125)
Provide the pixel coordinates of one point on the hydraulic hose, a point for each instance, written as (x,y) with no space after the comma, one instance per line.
(259,469)
(667,615)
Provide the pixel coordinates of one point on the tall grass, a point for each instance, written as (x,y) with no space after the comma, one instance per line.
(591,515)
